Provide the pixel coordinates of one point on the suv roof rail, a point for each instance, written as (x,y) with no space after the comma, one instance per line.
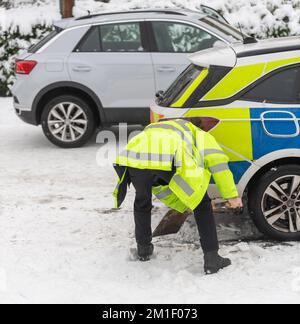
(163,11)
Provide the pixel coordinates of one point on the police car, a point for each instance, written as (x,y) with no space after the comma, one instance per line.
(248,97)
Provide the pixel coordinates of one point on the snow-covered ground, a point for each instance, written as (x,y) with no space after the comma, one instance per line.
(61,242)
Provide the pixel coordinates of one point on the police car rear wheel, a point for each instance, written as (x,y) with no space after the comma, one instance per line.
(274,203)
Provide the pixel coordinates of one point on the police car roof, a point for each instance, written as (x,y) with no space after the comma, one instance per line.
(241,54)
(268,46)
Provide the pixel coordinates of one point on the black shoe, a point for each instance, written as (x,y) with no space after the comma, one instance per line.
(144,252)
(213,262)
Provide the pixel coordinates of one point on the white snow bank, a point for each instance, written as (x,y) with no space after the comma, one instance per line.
(61,242)
(22,18)
(260,17)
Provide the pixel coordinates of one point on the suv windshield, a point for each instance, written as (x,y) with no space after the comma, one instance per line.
(180,85)
(228,32)
(34,48)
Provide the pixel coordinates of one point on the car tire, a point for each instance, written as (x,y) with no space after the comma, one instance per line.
(271,197)
(68,121)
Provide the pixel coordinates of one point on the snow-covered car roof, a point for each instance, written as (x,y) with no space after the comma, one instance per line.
(207,21)
(128,15)
(242,54)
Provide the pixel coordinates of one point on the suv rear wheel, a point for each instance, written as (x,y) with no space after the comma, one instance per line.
(68,121)
(274,203)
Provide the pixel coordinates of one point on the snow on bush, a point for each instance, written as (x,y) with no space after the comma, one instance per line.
(27,14)
(23,22)
(11,42)
(264,18)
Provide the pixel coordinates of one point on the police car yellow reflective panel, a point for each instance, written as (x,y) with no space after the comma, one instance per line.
(248,97)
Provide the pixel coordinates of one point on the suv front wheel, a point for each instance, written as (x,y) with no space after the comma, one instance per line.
(68,121)
(274,203)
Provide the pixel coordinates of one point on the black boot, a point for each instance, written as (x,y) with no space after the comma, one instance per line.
(213,262)
(144,252)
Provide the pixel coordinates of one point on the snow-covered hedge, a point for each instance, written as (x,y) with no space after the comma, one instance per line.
(27,20)
(11,41)
(23,24)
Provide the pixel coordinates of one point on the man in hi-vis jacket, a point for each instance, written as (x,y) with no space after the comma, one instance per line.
(174,160)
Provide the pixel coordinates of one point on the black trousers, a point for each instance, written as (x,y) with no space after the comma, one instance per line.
(143,181)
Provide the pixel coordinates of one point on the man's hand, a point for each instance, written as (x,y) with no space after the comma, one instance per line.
(236,204)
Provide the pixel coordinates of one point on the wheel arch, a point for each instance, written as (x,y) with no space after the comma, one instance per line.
(265,164)
(65,88)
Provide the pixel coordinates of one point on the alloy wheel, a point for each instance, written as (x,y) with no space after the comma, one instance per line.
(281,204)
(67,122)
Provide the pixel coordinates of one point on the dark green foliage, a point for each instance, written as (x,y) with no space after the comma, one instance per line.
(11,43)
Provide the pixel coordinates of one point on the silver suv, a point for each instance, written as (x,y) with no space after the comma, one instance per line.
(105,69)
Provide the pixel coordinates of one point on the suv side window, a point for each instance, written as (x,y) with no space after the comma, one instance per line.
(173,37)
(124,37)
(283,87)
(90,43)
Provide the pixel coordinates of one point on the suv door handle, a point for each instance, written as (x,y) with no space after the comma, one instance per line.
(166,69)
(82,68)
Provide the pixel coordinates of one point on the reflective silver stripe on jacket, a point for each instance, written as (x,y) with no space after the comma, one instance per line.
(219,167)
(183,185)
(164,194)
(170,127)
(183,124)
(118,185)
(212,151)
(151,157)
(183,136)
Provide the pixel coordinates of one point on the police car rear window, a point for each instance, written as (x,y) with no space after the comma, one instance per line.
(179,86)
(282,87)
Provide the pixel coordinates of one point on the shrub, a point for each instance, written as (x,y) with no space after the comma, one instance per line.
(11,43)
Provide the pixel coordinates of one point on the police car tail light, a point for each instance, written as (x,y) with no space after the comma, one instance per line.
(24,67)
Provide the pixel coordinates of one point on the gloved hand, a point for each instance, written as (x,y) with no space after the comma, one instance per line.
(236,204)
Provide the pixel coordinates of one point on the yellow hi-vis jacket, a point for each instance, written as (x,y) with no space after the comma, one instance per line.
(194,153)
